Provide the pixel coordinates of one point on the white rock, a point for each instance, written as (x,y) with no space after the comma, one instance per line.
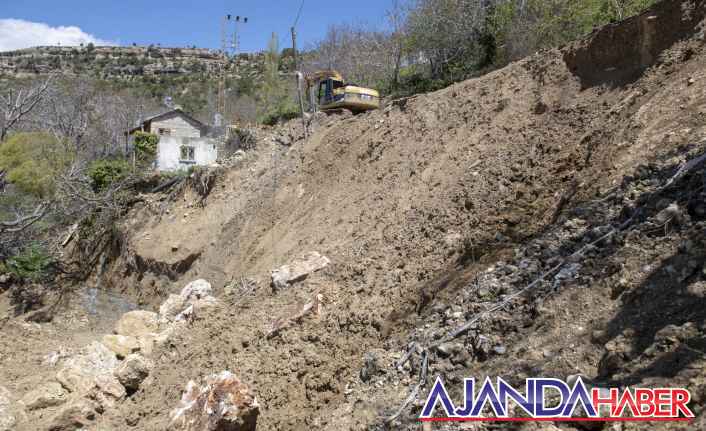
(223,402)
(121,345)
(137,323)
(197,289)
(90,374)
(47,395)
(107,390)
(147,344)
(286,275)
(77,373)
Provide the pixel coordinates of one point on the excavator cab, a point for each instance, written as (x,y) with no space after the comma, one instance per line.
(329,91)
(332,92)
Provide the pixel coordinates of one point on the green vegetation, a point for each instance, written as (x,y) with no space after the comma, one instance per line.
(146,146)
(33,263)
(32,162)
(105,172)
(429,44)
(276,102)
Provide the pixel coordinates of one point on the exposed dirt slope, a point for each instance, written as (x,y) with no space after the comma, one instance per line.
(435,209)
(412,201)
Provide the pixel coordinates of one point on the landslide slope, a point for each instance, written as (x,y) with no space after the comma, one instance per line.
(418,204)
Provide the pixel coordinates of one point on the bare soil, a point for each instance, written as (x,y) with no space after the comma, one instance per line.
(432,210)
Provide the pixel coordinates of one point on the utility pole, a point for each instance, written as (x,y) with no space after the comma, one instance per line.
(221,96)
(228,46)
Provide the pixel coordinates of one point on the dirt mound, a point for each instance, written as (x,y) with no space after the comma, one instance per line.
(440,210)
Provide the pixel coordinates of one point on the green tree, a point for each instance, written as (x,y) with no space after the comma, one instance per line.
(276,103)
(33,161)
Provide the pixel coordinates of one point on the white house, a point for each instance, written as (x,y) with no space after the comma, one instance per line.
(182,141)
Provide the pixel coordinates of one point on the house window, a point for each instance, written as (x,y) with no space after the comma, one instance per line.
(164,132)
(187,154)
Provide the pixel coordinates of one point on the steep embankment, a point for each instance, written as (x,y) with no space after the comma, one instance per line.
(412,202)
(441,209)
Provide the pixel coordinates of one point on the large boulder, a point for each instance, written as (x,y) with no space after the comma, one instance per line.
(137,323)
(121,345)
(78,373)
(47,395)
(222,403)
(90,374)
(299,269)
(133,370)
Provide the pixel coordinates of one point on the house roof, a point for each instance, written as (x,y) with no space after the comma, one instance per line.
(177,111)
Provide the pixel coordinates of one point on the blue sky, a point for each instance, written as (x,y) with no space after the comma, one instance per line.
(179,22)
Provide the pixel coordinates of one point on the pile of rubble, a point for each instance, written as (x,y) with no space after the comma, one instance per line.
(104,373)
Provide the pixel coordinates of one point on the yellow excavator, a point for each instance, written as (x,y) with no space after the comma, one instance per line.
(328,91)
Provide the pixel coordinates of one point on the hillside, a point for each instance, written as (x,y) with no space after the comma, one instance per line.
(541,220)
(125,63)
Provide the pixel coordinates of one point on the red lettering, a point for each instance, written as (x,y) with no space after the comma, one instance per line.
(680,398)
(626,399)
(663,398)
(645,399)
(611,401)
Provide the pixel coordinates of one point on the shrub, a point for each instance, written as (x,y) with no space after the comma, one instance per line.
(33,263)
(146,146)
(276,114)
(105,172)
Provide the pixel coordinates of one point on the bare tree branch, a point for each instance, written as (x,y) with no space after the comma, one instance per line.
(22,222)
(17,104)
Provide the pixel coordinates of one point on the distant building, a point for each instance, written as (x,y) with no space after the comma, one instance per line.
(182,141)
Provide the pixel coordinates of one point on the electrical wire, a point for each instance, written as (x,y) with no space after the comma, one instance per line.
(299,14)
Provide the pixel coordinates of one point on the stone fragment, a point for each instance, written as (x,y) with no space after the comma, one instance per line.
(223,403)
(77,414)
(7,418)
(77,373)
(137,323)
(107,390)
(147,344)
(121,345)
(371,367)
(47,395)
(197,289)
(672,214)
(299,269)
(133,370)
(171,308)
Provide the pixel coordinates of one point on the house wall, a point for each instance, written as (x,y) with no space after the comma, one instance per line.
(169,152)
(178,126)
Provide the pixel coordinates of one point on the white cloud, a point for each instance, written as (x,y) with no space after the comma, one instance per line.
(18,33)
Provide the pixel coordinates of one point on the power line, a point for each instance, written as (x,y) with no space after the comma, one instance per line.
(299,13)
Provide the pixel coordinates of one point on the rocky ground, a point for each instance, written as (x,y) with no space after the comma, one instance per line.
(546,219)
